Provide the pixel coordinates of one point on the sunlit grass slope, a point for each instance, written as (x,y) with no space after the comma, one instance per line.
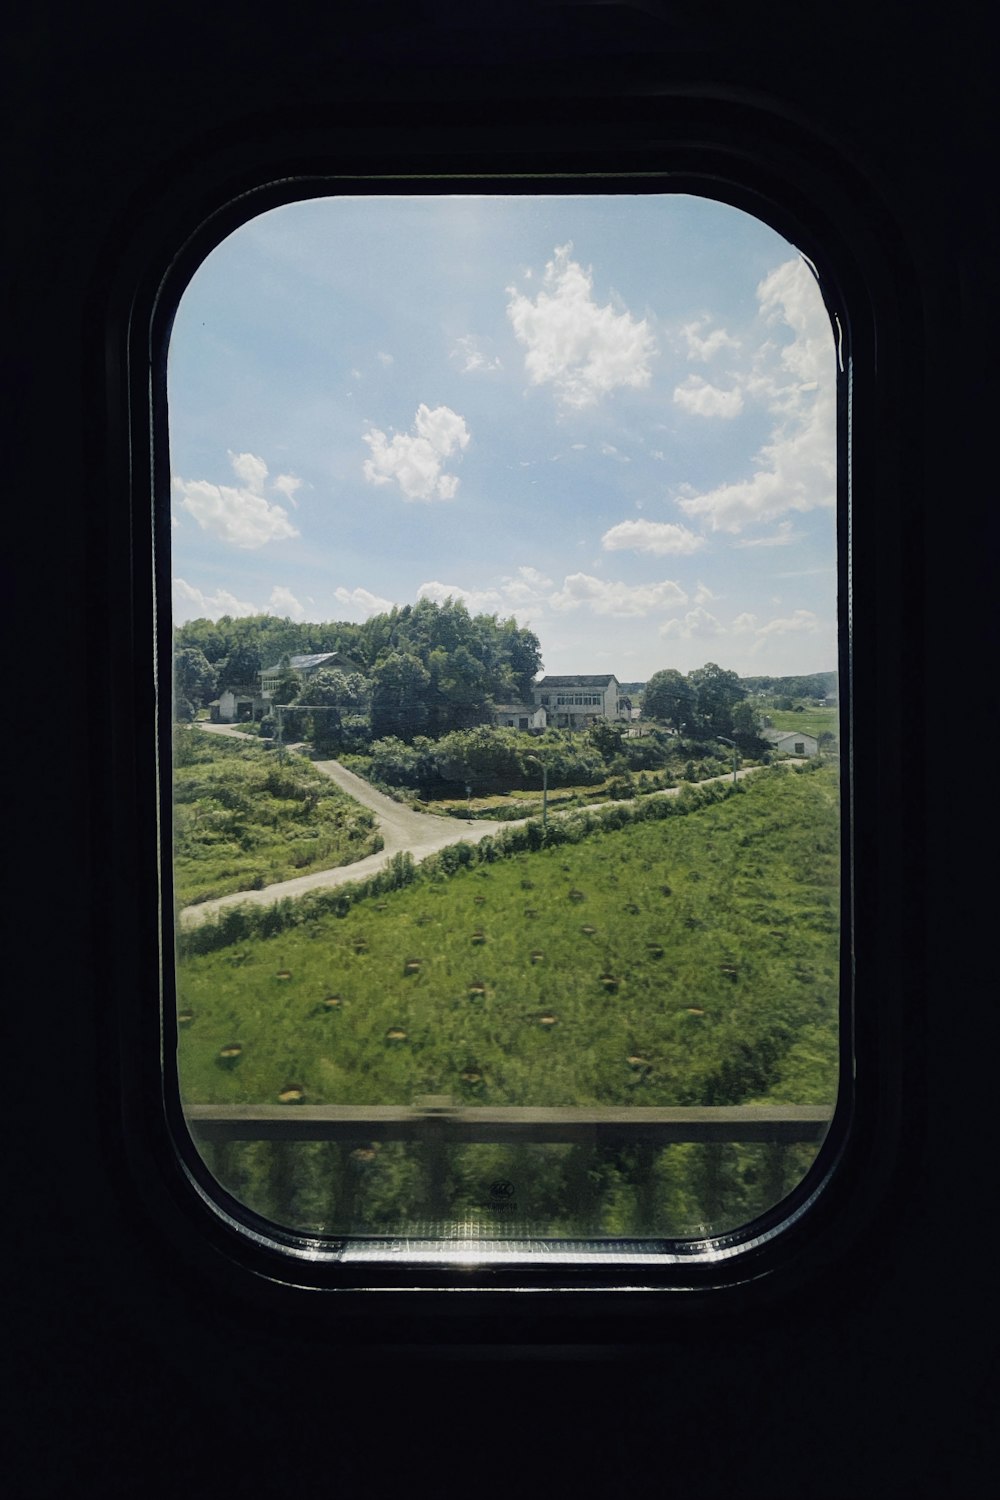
(691,961)
(243,820)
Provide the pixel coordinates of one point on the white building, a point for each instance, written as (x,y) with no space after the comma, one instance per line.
(791,741)
(236,704)
(519,716)
(305,667)
(578,702)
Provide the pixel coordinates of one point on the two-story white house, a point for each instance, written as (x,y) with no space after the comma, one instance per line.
(578,702)
(305,667)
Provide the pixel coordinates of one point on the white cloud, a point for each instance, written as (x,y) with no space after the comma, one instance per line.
(191,604)
(783,537)
(705,348)
(476,601)
(287,485)
(660,537)
(415,461)
(244,516)
(801,622)
(796,469)
(698,622)
(527,589)
(704,400)
(583,349)
(703,594)
(619,599)
(360,601)
(252,471)
(284,603)
(385,359)
(471,357)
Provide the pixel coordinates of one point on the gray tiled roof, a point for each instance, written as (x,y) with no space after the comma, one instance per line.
(601,680)
(303,663)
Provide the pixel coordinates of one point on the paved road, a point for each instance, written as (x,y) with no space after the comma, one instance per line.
(401,827)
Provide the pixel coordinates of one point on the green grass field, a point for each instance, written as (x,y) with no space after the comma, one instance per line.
(810,720)
(688,962)
(244,820)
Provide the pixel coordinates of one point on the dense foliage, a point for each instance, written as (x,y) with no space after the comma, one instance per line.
(431,668)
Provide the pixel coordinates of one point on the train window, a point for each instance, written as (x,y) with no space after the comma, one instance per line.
(507,831)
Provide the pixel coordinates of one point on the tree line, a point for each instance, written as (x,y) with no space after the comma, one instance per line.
(708,702)
(421,669)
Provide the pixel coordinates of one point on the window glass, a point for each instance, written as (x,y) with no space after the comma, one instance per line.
(506,780)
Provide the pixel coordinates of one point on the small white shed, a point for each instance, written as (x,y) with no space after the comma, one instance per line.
(792,741)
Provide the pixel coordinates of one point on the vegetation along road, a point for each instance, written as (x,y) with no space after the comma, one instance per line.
(403,831)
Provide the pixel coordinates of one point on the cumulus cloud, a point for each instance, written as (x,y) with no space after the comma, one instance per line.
(704,400)
(619,599)
(660,537)
(527,593)
(471,357)
(530,594)
(696,623)
(476,601)
(796,469)
(360,601)
(800,622)
(243,516)
(704,348)
(584,350)
(385,359)
(191,604)
(284,603)
(415,460)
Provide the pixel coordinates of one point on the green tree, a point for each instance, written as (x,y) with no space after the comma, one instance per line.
(718,693)
(334,694)
(400,691)
(241,667)
(195,680)
(670,696)
(746,727)
(606,739)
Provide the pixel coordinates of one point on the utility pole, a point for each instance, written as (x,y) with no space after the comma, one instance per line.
(726,741)
(545,788)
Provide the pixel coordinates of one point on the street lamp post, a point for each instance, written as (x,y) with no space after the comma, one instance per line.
(545,788)
(726,741)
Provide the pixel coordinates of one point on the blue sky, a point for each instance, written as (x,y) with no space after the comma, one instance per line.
(610,417)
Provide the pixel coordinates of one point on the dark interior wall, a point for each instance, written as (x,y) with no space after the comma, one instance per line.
(135,1370)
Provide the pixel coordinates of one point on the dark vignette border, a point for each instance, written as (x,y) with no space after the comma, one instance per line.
(757,161)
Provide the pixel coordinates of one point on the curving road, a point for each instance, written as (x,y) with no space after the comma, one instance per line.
(402,829)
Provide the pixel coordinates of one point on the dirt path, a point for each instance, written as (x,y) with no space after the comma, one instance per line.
(403,830)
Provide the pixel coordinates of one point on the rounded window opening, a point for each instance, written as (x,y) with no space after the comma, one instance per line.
(506,794)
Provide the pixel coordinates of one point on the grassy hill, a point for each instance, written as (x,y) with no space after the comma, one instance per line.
(243,820)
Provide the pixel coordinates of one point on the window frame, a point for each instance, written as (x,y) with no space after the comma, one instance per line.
(788,180)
